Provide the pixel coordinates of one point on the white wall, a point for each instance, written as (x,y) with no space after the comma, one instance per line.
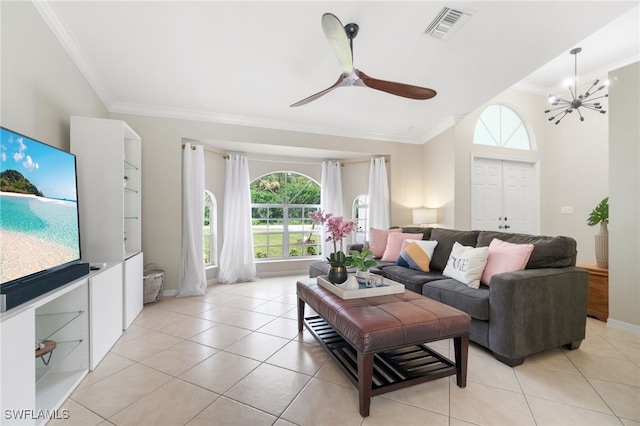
(624,203)
(41,86)
(161,176)
(572,158)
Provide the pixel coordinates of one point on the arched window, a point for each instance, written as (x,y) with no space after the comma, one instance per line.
(361,218)
(280,206)
(501,126)
(210,229)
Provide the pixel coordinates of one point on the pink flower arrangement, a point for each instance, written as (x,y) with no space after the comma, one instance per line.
(337,228)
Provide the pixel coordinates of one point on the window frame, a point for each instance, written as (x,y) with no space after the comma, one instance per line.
(213,230)
(283,231)
(501,142)
(358,233)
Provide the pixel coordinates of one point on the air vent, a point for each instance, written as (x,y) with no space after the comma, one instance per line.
(448,21)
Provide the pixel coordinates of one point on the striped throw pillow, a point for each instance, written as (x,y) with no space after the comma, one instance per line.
(416,254)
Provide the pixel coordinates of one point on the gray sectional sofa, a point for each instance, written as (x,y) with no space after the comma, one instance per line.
(519,313)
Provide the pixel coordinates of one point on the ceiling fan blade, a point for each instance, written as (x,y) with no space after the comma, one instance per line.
(399,89)
(338,83)
(337,38)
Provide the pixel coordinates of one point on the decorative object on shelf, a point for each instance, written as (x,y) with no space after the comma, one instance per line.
(337,229)
(43,348)
(350,284)
(363,260)
(424,216)
(600,215)
(568,106)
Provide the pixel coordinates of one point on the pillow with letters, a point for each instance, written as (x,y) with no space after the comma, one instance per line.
(466,264)
(378,240)
(416,254)
(505,257)
(394,245)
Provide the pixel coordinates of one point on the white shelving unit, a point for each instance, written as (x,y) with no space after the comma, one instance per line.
(109,160)
(27,383)
(105,299)
(83,318)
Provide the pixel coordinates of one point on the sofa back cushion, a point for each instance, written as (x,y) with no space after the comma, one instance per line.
(446,238)
(426,232)
(548,252)
(378,240)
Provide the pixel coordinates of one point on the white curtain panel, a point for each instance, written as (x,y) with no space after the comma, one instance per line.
(330,196)
(236,258)
(192,279)
(378,194)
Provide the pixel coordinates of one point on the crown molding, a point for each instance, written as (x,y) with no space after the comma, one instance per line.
(69,43)
(239,120)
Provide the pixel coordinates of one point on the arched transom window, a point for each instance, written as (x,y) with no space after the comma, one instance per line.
(501,126)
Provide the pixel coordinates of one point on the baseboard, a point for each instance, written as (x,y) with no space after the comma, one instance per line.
(631,328)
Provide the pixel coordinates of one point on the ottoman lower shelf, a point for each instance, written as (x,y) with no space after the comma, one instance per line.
(393,369)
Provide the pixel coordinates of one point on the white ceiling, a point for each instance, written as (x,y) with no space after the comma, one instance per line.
(246,62)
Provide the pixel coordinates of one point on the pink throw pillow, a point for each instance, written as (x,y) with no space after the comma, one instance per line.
(394,245)
(378,240)
(505,257)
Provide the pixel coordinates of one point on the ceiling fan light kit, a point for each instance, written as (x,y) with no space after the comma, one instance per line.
(340,39)
(565,106)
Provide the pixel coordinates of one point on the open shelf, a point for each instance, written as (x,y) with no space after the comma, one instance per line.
(49,324)
(58,355)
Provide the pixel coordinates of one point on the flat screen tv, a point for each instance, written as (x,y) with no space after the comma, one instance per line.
(39,229)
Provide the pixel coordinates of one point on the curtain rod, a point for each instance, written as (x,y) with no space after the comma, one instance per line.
(225,156)
(193,148)
(359,162)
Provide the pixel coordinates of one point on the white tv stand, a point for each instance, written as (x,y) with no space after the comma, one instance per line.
(84,317)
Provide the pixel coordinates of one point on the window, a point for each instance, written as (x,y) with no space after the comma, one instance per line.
(210,229)
(501,126)
(361,218)
(280,207)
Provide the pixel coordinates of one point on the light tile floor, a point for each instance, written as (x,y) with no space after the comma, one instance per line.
(235,357)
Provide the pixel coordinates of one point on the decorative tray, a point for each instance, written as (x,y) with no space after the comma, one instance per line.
(388,287)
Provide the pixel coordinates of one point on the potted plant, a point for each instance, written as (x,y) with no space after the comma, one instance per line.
(337,229)
(362,260)
(600,215)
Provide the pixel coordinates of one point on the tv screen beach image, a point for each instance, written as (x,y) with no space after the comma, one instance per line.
(38,207)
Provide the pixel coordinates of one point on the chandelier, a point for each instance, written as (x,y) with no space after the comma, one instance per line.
(565,106)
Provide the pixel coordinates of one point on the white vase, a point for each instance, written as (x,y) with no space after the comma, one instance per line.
(363,276)
(350,284)
(602,246)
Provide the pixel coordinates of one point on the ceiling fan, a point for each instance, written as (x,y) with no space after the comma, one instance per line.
(341,40)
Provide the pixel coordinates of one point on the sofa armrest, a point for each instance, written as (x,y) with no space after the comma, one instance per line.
(355,247)
(537,309)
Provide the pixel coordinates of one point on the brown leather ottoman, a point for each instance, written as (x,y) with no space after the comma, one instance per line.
(388,333)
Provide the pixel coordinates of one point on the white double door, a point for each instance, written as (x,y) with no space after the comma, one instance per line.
(504,196)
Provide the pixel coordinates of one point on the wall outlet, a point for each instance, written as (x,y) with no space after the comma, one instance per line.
(566,210)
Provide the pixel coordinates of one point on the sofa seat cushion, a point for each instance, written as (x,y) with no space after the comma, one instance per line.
(474,301)
(548,252)
(412,279)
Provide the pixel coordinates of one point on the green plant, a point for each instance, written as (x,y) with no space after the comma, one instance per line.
(600,213)
(339,259)
(363,260)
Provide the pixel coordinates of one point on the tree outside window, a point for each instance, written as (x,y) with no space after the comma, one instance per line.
(280,207)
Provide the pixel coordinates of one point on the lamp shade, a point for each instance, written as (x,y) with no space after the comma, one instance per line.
(424,216)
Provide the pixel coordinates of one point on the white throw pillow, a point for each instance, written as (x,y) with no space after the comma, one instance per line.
(466,264)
